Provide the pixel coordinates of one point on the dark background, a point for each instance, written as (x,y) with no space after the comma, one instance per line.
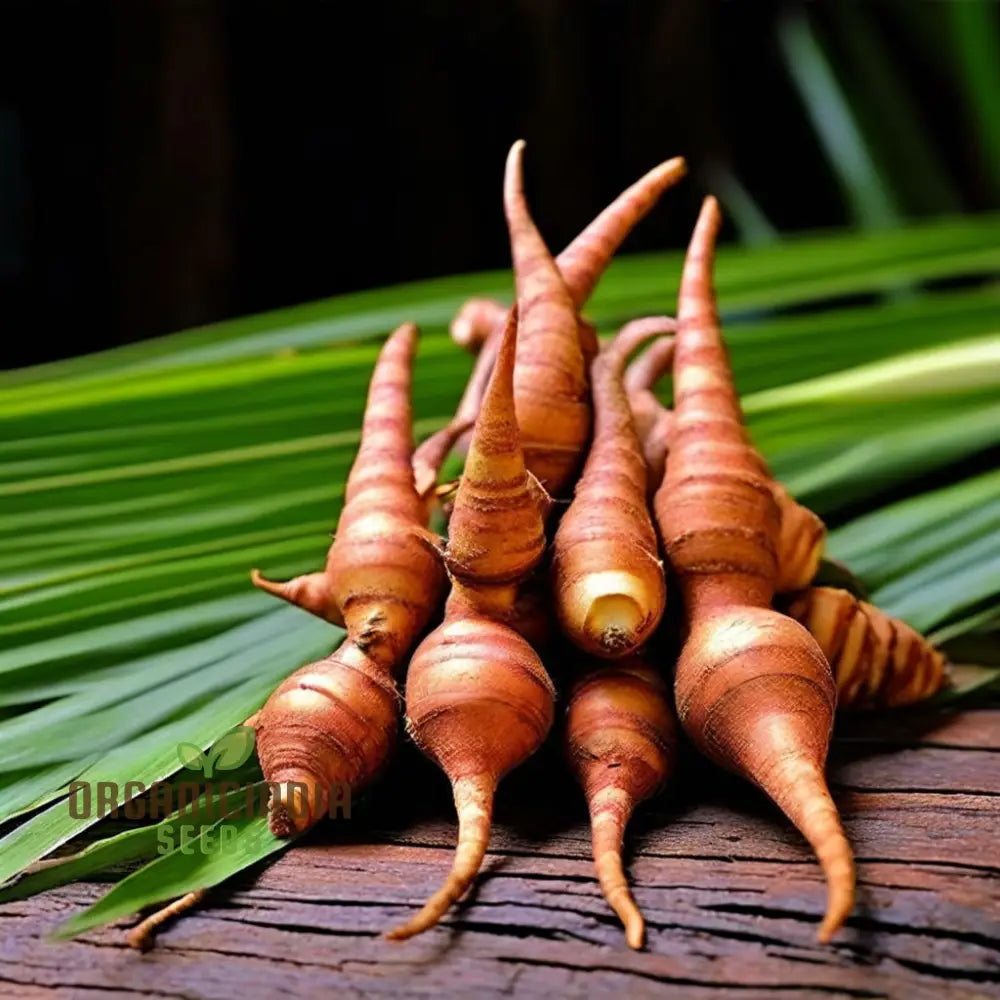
(166,163)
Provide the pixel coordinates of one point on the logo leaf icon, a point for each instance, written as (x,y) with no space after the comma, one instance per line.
(233,750)
(191,757)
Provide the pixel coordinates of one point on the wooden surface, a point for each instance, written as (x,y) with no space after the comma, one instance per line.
(731,895)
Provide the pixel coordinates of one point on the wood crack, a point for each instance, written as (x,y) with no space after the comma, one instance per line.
(103,989)
(703,983)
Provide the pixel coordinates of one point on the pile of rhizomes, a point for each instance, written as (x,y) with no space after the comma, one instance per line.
(585,508)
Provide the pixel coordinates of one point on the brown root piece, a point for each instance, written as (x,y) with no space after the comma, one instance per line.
(651,418)
(497,531)
(586,259)
(649,367)
(478,699)
(620,740)
(380,565)
(334,722)
(480,321)
(313,592)
(550,379)
(606,571)
(803,534)
(143,935)
(581,265)
(432,453)
(475,321)
(479,703)
(753,688)
(800,542)
(637,332)
(878,661)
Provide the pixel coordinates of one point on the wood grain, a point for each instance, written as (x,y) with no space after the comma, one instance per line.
(731,895)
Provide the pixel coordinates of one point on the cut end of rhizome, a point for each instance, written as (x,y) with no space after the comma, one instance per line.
(296,802)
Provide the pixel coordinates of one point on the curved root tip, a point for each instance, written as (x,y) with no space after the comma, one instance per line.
(467,863)
(405,931)
(262,582)
(611,876)
(424,480)
(431,913)
(635,931)
(139,938)
(312,592)
(610,810)
(143,935)
(474,803)
(794,779)
(676,167)
(461,330)
(837,862)
(635,936)
(623,903)
(818,820)
(838,909)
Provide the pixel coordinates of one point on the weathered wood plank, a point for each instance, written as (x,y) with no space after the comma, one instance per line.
(974,730)
(731,895)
